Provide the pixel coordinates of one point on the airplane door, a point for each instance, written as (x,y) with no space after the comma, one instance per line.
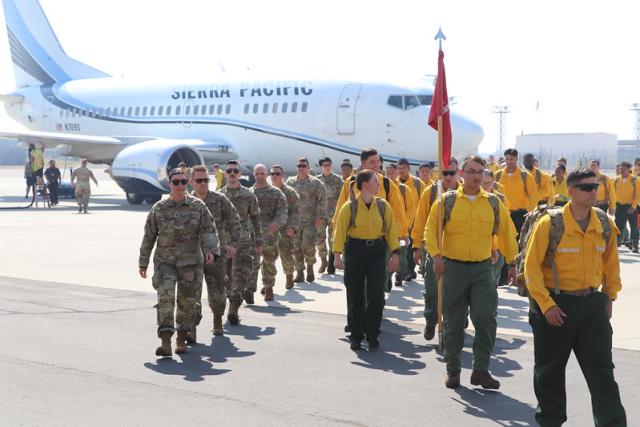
(347,109)
(187,113)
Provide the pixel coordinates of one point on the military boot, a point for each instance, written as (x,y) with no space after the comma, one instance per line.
(247,295)
(181,345)
(289,283)
(268,294)
(192,335)
(323,265)
(484,379)
(635,246)
(331,269)
(165,348)
(232,315)
(310,276)
(85,208)
(299,276)
(79,208)
(217,324)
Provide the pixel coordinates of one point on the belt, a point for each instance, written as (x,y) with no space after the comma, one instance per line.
(366,242)
(467,262)
(578,293)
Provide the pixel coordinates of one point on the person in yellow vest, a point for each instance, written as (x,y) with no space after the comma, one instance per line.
(627,194)
(219,176)
(427,199)
(365,232)
(606,196)
(346,169)
(543,181)
(491,164)
(473,218)
(636,167)
(559,181)
(519,187)
(568,310)
(415,186)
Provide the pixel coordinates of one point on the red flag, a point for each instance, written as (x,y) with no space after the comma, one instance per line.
(440,107)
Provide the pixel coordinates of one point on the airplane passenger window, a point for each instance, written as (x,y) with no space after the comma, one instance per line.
(220,109)
(129,111)
(411,101)
(203,109)
(274,108)
(160,110)
(227,110)
(137,111)
(122,111)
(294,107)
(195,109)
(284,107)
(265,108)
(152,110)
(212,109)
(395,101)
(425,99)
(246,108)
(187,110)
(303,107)
(168,110)
(107,112)
(177,110)
(255,108)
(144,111)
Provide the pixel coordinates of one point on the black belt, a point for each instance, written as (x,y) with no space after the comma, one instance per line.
(518,210)
(578,293)
(466,262)
(365,242)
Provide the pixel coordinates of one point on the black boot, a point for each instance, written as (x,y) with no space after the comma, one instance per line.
(331,269)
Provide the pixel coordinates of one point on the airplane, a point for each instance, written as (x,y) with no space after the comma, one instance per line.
(143,130)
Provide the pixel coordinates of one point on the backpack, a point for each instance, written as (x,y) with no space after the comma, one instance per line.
(450,198)
(523,175)
(555,235)
(418,186)
(382,207)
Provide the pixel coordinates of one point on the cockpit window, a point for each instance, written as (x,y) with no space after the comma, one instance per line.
(425,99)
(395,101)
(407,102)
(410,101)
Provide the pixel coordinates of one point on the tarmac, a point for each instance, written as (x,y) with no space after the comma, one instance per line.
(81,334)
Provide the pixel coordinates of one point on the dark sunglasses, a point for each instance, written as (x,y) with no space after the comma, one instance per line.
(179,181)
(449,173)
(230,171)
(276,173)
(586,187)
(301,165)
(201,180)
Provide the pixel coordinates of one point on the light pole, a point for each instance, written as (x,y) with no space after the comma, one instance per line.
(501,110)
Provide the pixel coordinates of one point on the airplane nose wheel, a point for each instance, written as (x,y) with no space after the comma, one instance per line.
(135,198)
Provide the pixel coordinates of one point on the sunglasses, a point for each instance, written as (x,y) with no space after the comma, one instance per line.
(179,181)
(276,173)
(301,166)
(230,171)
(586,187)
(449,173)
(201,180)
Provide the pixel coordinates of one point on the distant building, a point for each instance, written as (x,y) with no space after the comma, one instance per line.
(628,150)
(577,148)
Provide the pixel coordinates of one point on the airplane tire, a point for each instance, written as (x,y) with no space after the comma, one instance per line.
(135,198)
(152,198)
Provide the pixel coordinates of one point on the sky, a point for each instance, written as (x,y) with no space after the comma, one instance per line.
(560,66)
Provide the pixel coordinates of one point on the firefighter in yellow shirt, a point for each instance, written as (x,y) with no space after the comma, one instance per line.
(606,196)
(627,195)
(472,217)
(365,231)
(543,181)
(491,164)
(415,186)
(570,313)
(420,256)
(560,190)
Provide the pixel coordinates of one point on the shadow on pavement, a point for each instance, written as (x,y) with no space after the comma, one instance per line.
(315,287)
(495,406)
(192,367)
(293,296)
(252,333)
(274,308)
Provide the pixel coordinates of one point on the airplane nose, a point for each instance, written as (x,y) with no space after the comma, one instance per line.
(467,135)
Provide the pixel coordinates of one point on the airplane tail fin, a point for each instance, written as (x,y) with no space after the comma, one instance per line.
(36,53)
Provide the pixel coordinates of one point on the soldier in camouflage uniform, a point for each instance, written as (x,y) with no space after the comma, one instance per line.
(287,231)
(273,215)
(83,187)
(312,209)
(250,244)
(227,223)
(333,185)
(186,236)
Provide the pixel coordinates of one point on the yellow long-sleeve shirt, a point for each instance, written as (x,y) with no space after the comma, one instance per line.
(368,225)
(421,216)
(606,188)
(514,188)
(624,191)
(544,187)
(560,188)
(583,259)
(411,197)
(393,198)
(493,166)
(468,235)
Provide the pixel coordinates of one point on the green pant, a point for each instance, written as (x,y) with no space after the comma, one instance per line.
(497,268)
(285,248)
(215,276)
(469,285)
(304,248)
(365,277)
(402,261)
(266,263)
(587,332)
(239,270)
(187,278)
(430,291)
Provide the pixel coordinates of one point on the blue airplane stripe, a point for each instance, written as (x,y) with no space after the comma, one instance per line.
(140,170)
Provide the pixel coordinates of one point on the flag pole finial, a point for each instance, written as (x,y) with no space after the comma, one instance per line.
(440,36)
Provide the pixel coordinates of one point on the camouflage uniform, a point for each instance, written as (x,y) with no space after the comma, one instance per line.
(82,175)
(227,223)
(333,184)
(183,232)
(273,208)
(241,266)
(312,205)
(285,244)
